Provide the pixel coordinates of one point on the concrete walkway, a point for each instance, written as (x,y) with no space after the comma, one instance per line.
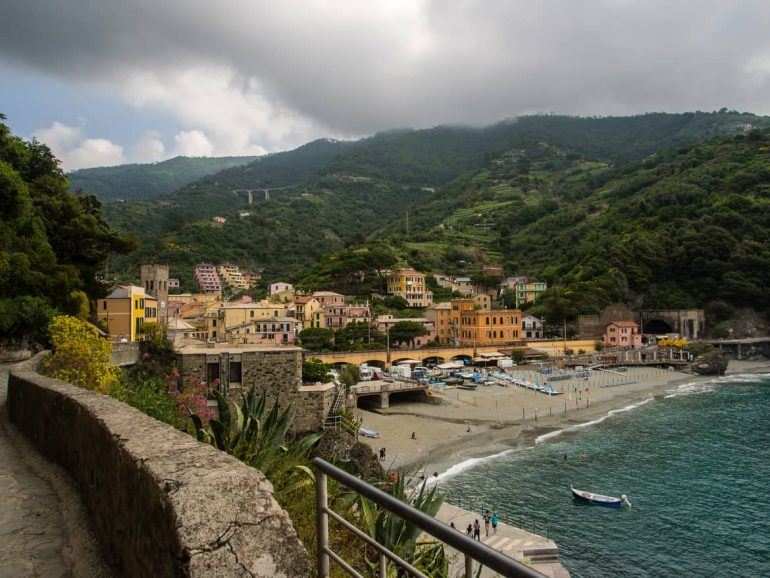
(43,525)
(537,551)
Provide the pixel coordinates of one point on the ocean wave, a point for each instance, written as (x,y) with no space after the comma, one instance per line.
(466,465)
(608,415)
(700,387)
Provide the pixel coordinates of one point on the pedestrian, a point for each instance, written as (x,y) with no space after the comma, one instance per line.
(414,436)
(486,524)
(477,530)
(382,454)
(452,525)
(495,521)
(469,529)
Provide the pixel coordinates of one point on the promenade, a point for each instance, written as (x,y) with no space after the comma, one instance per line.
(43,526)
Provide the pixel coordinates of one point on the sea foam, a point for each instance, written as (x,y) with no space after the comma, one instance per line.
(465,465)
(609,414)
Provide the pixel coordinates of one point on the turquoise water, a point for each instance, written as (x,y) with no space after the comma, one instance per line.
(695,466)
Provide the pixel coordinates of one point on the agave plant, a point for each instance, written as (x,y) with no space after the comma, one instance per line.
(405,538)
(259,438)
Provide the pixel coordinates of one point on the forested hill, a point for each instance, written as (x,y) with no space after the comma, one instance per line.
(143,181)
(688,227)
(332,194)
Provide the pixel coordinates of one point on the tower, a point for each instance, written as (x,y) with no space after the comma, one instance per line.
(155,283)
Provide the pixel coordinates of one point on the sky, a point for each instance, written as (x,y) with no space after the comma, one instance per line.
(105,83)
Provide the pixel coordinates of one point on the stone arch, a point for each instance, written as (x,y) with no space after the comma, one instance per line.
(462,357)
(375,363)
(657,326)
(434,360)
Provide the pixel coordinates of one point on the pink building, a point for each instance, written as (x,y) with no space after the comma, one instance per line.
(329,298)
(385,322)
(208,279)
(337,316)
(622,334)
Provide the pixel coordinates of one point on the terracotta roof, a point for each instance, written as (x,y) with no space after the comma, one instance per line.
(624,323)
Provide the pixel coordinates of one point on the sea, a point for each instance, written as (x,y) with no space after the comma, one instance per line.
(694,463)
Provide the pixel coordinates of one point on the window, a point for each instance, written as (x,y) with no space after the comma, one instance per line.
(251,314)
(235,372)
(104,304)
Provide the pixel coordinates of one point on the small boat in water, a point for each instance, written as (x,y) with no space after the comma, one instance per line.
(600,499)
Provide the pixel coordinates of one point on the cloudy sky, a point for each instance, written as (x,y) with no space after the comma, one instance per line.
(143,80)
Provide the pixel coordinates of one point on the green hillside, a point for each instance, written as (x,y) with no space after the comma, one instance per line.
(144,181)
(683,228)
(462,182)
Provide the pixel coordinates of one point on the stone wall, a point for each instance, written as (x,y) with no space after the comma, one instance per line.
(275,372)
(161,503)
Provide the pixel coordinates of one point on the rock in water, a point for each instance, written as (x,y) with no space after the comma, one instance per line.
(710,363)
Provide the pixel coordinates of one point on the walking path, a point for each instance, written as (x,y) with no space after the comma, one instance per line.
(44,530)
(540,552)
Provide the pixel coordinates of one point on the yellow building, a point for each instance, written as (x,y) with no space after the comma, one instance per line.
(472,325)
(441,315)
(125,310)
(306,307)
(232,277)
(410,285)
(223,316)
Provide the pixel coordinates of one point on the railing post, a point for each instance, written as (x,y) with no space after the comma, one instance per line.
(322,524)
(468,566)
(383,566)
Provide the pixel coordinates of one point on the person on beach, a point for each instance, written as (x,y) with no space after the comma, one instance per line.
(469,529)
(414,436)
(452,525)
(495,521)
(477,530)
(382,454)
(486,523)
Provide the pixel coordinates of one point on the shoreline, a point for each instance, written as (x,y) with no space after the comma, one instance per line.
(443,445)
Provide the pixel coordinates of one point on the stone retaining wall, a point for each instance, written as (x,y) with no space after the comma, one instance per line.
(160,503)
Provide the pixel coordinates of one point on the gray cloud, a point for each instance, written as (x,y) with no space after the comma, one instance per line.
(352,68)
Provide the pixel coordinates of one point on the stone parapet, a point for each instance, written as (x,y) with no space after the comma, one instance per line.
(160,503)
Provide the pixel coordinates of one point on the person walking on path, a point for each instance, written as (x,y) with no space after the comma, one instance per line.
(382,454)
(477,530)
(495,521)
(486,523)
(469,530)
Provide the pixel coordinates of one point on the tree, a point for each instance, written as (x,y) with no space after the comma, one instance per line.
(357,333)
(407,332)
(316,338)
(518,356)
(350,375)
(53,244)
(314,370)
(80,355)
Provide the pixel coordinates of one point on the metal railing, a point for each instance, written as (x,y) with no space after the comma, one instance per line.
(471,549)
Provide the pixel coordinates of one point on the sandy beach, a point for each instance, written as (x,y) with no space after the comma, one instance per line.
(476,424)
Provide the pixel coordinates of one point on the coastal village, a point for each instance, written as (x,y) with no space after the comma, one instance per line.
(469,367)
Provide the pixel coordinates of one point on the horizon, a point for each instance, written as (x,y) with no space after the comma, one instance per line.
(416,129)
(134,83)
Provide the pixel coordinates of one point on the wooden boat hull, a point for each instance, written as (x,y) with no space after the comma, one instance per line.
(607,501)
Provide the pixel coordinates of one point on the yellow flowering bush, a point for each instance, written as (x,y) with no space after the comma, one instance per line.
(80,356)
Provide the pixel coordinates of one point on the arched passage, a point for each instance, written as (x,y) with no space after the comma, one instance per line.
(657,327)
(434,360)
(375,363)
(466,359)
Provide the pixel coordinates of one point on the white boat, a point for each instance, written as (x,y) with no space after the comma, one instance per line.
(600,499)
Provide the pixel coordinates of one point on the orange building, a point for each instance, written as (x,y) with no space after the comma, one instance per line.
(465,322)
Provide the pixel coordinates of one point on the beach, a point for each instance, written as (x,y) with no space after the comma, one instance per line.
(493,414)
